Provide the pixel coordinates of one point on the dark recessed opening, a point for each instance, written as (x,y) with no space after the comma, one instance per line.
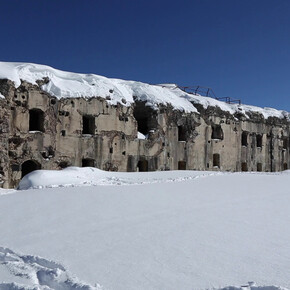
(259,167)
(244,166)
(145,117)
(63,164)
(88,125)
(53,101)
(142,165)
(245,139)
(62,132)
(216,160)
(217,132)
(285,143)
(111,150)
(88,162)
(15,167)
(285,166)
(29,166)
(181,165)
(259,140)
(36,120)
(181,133)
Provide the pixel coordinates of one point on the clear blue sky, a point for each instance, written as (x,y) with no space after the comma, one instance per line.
(239,48)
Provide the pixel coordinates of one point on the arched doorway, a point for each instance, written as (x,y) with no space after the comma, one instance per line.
(142,165)
(29,166)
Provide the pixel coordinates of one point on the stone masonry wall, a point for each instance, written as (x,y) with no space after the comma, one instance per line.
(37,131)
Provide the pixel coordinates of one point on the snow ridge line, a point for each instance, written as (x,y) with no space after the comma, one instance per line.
(109,180)
(43,274)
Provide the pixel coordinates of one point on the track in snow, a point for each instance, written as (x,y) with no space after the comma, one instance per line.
(42,273)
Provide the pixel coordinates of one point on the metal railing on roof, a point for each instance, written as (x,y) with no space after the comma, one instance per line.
(208,92)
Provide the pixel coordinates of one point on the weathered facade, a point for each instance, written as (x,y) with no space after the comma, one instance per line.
(38,131)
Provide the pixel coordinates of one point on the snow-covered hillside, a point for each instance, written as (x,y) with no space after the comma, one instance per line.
(157,230)
(66,84)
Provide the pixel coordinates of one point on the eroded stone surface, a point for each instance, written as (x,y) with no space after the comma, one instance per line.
(39,131)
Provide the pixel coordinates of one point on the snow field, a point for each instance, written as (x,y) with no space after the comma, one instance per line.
(174,231)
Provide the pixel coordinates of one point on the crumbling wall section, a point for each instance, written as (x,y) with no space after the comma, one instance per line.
(54,134)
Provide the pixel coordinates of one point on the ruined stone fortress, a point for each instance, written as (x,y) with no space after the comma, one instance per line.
(51,119)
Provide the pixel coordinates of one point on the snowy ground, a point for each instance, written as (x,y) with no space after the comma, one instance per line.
(159,230)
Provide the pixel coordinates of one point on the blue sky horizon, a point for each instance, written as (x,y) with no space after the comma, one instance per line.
(240,49)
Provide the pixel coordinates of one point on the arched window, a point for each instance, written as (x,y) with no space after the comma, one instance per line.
(29,166)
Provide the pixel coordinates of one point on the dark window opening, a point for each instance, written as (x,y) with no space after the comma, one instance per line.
(124,153)
(88,162)
(63,164)
(181,165)
(259,140)
(285,166)
(145,117)
(89,125)
(36,120)
(111,150)
(53,101)
(29,166)
(259,167)
(217,132)
(244,166)
(181,133)
(245,138)
(216,160)
(62,132)
(15,167)
(142,165)
(285,143)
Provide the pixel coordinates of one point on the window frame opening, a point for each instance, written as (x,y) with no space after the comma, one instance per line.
(259,140)
(244,138)
(216,160)
(285,166)
(88,125)
(181,133)
(36,120)
(285,142)
(145,117)
(217,132)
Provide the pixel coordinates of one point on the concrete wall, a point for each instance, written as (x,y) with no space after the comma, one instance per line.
(83,132)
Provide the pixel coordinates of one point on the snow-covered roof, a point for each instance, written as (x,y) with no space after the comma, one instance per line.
(73,85)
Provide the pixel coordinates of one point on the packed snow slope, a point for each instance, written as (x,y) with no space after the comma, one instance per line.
(63,84)
(158,230)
